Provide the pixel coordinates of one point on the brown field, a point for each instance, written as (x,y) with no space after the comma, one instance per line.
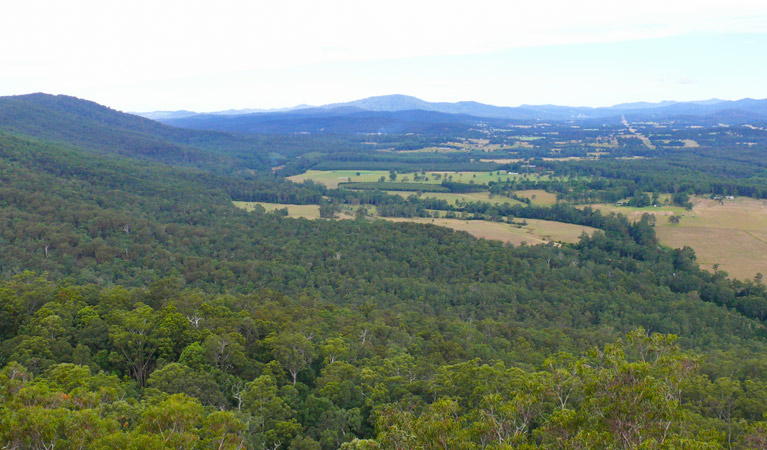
(612,143)
(535,232)
(433,150)
(476,144)
(557,231)
(305,211)
(502,160)
(331,178)
(468,197)
(690,143)
(737,252)
(732,233)
(568,158)
(539,197)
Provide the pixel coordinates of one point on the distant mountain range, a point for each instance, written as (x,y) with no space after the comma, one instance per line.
(406,114)
(180,114)
(393,103)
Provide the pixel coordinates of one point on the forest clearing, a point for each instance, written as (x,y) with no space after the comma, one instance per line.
(533,232)
(730,234)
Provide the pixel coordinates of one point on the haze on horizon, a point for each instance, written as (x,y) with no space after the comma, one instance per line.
(169,55)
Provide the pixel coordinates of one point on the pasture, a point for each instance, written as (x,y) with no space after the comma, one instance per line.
(731,233)
(305,211)
(535,232)
(539,197)
(331,178)
(468,197)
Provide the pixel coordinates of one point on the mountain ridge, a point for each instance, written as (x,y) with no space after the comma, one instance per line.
(86,124)
(401,102)
(405,114)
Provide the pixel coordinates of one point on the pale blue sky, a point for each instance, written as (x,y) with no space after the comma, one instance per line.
(166,55)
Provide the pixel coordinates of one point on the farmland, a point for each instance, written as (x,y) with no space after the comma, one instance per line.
(528,231)
(726,234)
(453,198)
(535,232)
(332,178)
(536,196)
(305,211)
(729,233)
(539,197)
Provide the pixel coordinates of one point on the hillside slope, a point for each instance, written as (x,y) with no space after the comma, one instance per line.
(89,125)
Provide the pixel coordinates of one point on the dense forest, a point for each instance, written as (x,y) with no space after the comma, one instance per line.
(140,309)
(168,367)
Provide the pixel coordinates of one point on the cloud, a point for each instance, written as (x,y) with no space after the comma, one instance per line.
(100,47)
(171,38)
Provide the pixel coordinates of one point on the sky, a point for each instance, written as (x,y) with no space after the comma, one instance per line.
(229,54)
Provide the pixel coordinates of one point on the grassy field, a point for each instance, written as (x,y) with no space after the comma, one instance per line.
(331,178)
(539,197)
(305,211)
(434,150)
(501,160)
(535,232)
(732,233)
(556,231)
(468,197)
(662,213)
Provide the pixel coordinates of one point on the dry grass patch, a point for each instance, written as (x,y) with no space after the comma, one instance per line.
(502,160)
(434,150)
(305,211)
(452,198)
(557,231)
(331,178)
(737,252)
(731,232)
(539,197)
(689,143)
(535,232)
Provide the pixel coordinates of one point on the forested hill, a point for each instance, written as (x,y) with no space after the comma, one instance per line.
(89,125)
(140,309)
(336,121)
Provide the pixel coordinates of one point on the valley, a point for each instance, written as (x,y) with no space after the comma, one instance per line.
(424,225)
(726,233)
(152,272)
